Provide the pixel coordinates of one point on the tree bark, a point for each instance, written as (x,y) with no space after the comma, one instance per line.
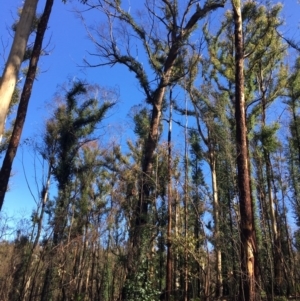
(169,269)
(156,101)
(16,55)
(23,105)
(216,210)
(248,245)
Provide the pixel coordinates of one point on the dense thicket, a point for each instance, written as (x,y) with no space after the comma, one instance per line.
(212,215)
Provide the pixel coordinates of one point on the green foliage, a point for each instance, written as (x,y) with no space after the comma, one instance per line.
(196,158)
(294,83)
(140,287)
(71,127)
(68,134)
(142,123)
(265,72)
(267,137)
(99,190)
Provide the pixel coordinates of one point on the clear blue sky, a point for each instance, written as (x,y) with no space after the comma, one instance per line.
(68,45)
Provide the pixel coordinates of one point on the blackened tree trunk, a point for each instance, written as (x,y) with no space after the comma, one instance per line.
(169,270)
(23,105)
(248,245)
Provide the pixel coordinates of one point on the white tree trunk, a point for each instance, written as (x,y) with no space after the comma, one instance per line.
(16,55)
(216,210)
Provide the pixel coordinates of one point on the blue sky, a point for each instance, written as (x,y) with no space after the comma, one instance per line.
(67,46)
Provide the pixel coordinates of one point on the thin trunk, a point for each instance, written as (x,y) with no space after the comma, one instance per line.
(248,246)
(209,142)
(27,277)
(176,258)
(46,294)
(10,74)
(291,278)
(25,97)
(170,204)
(186,192)
(216,210)
(277,257)
(45,193)
(267,277)
(93,275)
(79,276)
(232,273)
(198,246)
(207,283)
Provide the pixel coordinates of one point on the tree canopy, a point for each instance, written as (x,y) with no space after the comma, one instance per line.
(196,195)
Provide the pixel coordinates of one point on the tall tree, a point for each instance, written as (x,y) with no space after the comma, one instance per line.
(166,60)
(248,239)
(23,105)
(169,264)
(11,71)
(70,128)
(263,71)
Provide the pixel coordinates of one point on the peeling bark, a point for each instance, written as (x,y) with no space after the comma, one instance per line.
(248,245)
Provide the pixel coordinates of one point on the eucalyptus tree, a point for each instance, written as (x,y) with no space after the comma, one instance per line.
(248,239)
(70,128)
(163,34)
(10,74)
(9,92)
(24,100)
(247,64)
(269,74)
(9,121)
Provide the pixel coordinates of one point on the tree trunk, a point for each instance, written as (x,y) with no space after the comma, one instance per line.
(170,203)
(277,257)
(156,99)
(248,246)
(25,97)
(216,210)
(186,198)
(16,55)
(44,194)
